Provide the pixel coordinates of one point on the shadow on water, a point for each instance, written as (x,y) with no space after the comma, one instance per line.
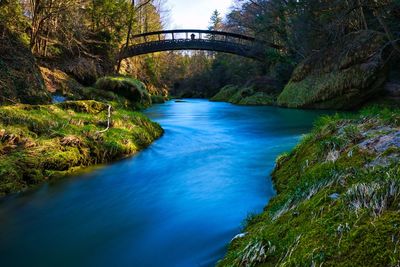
(178,203)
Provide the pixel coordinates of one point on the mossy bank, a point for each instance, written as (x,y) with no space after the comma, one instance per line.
(244,96)
(338,199)
(43,142)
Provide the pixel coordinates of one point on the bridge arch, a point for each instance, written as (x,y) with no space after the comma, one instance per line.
(172,40)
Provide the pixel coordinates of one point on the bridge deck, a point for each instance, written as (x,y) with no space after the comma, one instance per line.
(194,40)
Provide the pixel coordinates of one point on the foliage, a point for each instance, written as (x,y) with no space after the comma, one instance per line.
(292,31)
(11,17)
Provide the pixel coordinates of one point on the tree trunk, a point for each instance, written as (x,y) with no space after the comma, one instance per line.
(128,36)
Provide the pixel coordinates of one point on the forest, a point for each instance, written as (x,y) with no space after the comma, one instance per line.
(82,39)
(68,101)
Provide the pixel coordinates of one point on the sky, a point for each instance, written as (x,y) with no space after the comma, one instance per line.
(194,14)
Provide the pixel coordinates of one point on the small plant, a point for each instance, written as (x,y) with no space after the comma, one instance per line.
(333,143)
(303,194)
(352,133)
(375,197)
(257,251)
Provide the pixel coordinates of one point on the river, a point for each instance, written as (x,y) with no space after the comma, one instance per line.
(177,203)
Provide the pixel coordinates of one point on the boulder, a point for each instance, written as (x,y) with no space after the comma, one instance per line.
(132,89)
(342,76)
(20,77)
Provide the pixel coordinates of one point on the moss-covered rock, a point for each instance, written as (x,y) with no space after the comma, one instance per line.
(225,94)
(259,99)
(20,77)
(38,143)
(129,88)
(338,199)
(342,76)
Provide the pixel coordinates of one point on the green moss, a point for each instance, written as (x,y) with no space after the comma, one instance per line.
(330,211)
(259,99)
(342,76)
(157,99)
(325,88)
(20,77)
(129,88)
(244,96)
(38,143)
(226,93)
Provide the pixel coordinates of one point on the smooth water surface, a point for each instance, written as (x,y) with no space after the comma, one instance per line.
(178,203)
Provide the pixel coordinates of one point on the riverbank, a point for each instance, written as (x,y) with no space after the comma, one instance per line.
(338,198)
(198,180)
(245,96)
(39,143)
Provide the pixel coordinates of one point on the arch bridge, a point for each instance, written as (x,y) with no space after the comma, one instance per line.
(217,41)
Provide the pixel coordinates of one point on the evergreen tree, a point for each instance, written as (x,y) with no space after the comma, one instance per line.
(215,21)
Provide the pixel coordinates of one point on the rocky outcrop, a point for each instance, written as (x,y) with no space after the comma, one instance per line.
(20,77)
(342,76)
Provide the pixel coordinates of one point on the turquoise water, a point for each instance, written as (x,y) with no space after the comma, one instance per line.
(178,203)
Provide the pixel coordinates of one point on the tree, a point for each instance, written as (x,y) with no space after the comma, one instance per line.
(132,13)
(11,17)
(215,22)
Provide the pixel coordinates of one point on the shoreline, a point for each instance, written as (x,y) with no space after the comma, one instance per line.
(318,182)
(40,143)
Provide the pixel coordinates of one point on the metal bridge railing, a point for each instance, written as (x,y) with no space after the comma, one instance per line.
(192,35)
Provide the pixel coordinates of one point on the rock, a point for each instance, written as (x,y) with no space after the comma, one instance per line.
(265,84)
(131,89)
(84,70)
(246,95)
(59,82)
(383,161)
(392,89)
(342,76)
(20,77)
(381,143)
(226,93)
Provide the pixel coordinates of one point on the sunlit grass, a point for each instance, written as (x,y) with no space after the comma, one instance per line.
(42,142)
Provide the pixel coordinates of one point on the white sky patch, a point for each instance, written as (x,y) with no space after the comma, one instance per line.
(195,14)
